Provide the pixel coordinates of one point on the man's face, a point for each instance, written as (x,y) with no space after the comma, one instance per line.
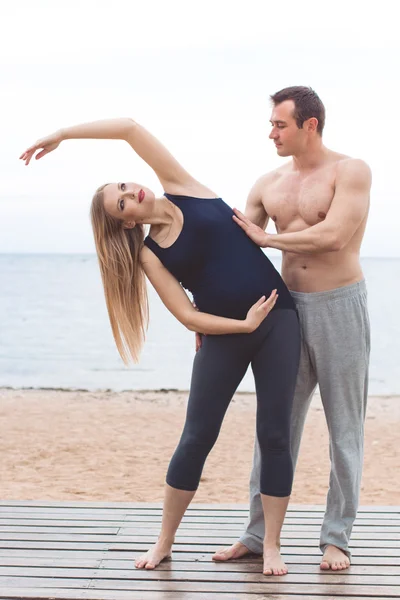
(288,138)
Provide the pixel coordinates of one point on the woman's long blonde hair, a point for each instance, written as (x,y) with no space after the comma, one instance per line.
(124,282)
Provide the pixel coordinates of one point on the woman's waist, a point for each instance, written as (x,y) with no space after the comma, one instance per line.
(234,302)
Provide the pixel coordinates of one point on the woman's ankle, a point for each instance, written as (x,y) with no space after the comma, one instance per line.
(165,539)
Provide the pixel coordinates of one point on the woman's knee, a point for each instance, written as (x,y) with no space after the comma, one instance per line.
(273,440)
(197,442)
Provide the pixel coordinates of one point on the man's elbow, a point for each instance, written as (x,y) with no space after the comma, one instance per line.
(331,242)
(337,243)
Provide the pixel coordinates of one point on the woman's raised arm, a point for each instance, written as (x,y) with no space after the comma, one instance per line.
(148,147)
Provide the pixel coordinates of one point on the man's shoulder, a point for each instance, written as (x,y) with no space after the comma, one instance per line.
(352,167)
(274,175)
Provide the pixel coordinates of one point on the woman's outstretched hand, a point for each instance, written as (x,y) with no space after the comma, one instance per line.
(260,310)
(254,232)
(45,145)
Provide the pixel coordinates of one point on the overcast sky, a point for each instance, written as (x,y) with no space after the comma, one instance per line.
(198,74)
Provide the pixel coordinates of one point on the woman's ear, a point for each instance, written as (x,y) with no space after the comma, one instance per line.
(128,225)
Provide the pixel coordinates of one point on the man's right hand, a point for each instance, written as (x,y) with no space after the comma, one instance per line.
(199,336)
(199,341)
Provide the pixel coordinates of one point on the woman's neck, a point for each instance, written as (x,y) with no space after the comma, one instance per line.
(164,214)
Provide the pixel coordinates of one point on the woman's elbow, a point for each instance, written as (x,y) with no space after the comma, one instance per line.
(187,320)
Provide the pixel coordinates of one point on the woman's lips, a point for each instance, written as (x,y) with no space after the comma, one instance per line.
(141,196)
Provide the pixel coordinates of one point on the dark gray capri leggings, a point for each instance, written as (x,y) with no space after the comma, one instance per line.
(273,351)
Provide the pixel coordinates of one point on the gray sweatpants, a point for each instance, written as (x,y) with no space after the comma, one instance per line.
(335,351)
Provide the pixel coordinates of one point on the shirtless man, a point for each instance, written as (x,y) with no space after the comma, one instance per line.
(319,202)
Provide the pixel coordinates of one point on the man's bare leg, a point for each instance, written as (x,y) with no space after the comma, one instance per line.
(175,505)
(334,559)
(274,514)
(237,550)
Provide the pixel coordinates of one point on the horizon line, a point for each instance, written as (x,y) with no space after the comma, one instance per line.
(94,254)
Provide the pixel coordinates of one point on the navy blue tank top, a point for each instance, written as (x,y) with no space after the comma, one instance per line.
(215,260)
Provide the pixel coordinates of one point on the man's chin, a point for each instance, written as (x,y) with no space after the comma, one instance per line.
(281,151)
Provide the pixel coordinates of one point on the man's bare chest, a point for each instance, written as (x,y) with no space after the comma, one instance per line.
(291,200)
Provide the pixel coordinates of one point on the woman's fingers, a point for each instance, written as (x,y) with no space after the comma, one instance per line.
(270,302)
(29,150)
(42,153)
(260,302)
(27,155)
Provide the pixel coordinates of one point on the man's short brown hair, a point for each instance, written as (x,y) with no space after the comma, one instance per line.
(307,104)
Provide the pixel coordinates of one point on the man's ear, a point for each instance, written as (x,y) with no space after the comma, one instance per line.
(312,124)
(128,225)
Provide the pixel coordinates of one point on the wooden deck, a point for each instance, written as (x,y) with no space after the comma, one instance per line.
(76,550)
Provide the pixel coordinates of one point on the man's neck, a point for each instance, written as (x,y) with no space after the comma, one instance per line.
(312,158)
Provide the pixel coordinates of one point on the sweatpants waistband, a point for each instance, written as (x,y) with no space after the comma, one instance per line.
(347,291)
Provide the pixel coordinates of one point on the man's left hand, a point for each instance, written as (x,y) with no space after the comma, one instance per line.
(255,233)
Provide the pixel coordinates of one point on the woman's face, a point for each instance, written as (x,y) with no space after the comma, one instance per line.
(129,202)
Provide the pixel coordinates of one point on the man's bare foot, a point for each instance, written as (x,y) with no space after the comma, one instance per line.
(334,559)
(236,551)
(273,563)
(154,556)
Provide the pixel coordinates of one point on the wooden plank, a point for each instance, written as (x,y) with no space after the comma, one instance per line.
(61,537)
(52,552)
(132,574)
(62,510)
(38,561)
(7,593)
(288,521)
(119,567)
(145,510)
(194,506)
(266,587)
(228,529)
(250,567)
(230,536)
(203,557)
(52,545)
(185,526)
(249,578)
(44,582)
(190,518)
(76,516)
(287,541)
(139,547)
(90,594)
(305,558)
(58,530)
(62,523)
(56,573)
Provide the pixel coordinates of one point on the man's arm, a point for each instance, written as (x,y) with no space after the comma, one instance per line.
(255,210)
(346,213)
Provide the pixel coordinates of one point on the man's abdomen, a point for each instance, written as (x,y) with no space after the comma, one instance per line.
(320,273)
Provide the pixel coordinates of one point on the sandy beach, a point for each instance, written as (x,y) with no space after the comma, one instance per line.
(105,446)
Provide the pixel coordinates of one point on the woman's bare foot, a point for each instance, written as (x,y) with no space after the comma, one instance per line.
(334,559)
(154,556)
(273,563)
(236,551)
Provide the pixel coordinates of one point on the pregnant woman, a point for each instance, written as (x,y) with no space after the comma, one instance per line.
(243,306)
